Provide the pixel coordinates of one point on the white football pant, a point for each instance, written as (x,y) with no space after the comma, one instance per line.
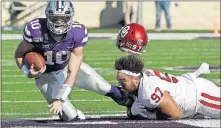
(208,98)
(87,78)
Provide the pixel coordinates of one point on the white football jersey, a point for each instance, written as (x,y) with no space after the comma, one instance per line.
(182,90)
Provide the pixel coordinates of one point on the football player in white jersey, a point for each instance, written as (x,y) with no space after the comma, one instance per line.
(165,96)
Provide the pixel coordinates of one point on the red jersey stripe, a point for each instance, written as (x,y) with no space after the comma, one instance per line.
(210,104)
(210,97)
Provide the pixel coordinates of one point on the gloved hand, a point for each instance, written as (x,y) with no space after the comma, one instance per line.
(127,99)
(138,109)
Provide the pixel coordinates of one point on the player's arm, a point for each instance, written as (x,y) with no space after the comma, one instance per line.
(25,46)
(168,108)
(74,65)
(22,48)
(19,54)
(160,99)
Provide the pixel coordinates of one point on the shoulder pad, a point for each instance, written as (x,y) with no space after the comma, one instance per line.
(32,31)
(79,34)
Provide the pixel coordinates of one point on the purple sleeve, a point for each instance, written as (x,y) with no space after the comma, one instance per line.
(32,31)
(80,36)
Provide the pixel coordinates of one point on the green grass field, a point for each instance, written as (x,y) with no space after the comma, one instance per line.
(116,30)
(22,99)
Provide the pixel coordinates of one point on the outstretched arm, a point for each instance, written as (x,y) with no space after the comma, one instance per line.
(168,108)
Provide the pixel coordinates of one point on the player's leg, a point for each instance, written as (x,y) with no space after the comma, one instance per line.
(134,7)
(87,78)
(209,103)
(127,12)
(166,8)
(49,84)
(158,14)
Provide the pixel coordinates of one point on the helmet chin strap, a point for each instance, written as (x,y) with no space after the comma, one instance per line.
(57,37)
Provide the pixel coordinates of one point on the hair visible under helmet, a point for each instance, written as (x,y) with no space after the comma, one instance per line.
(131,63)
(59,14)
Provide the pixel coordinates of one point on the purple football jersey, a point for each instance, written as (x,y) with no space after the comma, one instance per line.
(56,54)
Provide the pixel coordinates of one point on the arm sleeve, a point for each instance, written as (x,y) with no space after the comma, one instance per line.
(81,37)
(27,34)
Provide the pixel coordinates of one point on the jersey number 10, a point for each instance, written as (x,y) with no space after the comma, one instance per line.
(58,59)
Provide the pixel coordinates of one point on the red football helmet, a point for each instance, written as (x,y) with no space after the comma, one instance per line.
(132,38)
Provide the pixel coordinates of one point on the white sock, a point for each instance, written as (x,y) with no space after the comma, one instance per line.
(203,69)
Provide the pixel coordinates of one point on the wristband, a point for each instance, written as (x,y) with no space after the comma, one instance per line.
(25,70)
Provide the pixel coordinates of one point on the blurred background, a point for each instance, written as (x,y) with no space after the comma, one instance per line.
(154,15)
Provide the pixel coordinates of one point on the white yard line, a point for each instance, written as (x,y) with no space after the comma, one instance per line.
(179,68)
(192,122)
(10,70)
(113,55)
(12,83)
(31,82)
(21,91)
(13,76)
(152,36)
(88,123)
(43,101)
(33,91)
(112,63)
(89,114)
(5,60)
(79,90)
(11,62)
(202,123)
(159,52)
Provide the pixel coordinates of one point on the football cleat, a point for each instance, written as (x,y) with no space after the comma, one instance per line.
(80,115)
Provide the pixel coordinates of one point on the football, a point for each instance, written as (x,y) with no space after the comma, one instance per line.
(34,58)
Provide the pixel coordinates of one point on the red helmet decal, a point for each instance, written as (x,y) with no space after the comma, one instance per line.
(132,38)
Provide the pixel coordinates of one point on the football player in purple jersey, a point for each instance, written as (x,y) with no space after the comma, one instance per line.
(61,40)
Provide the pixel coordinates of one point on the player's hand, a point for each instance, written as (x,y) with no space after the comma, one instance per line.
(138,109)
(32,73)
(56,107)
(127,99)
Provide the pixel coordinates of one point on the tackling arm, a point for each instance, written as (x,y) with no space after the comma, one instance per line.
(168,109)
